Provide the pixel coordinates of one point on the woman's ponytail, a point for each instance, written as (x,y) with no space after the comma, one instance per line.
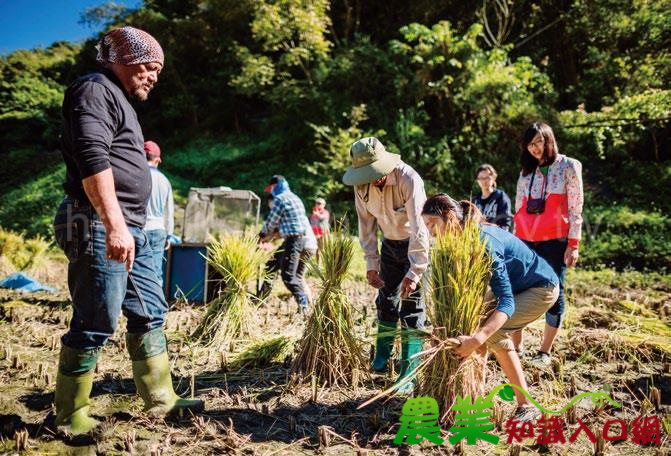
(470,212)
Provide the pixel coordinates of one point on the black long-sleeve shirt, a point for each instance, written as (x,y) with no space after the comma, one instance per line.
(101,131)
(496,208)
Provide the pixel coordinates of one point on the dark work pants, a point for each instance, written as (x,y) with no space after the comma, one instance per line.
(552,251)
(394,264)
(289,259)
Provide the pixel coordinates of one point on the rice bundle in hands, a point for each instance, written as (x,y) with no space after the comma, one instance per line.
(329,351)
(458,281)
(238,259)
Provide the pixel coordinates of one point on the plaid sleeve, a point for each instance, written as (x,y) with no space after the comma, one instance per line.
(273,220)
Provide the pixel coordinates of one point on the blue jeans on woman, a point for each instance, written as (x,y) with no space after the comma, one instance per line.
(101,288)
(553,251)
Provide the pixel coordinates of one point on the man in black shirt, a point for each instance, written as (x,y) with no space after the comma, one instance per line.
(100,224)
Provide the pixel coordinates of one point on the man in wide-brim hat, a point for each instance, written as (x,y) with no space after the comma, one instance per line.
(389,194)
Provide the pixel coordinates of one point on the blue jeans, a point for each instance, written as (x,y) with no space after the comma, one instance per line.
(290,259)
(100,288)
(552,251)
(394,265)
(157,243)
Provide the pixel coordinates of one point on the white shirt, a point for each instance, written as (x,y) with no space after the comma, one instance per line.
(160,207)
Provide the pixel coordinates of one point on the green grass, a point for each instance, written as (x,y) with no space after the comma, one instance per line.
(238,163)
(30,208)
(585,280)
(625,238)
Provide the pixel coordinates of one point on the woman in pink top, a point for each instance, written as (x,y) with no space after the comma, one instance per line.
(548,217)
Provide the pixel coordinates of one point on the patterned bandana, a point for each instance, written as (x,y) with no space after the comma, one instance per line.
(129,46)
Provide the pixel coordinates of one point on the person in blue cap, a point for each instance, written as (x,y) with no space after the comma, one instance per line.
(288,217)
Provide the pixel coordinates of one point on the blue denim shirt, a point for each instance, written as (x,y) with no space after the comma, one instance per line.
(515,267)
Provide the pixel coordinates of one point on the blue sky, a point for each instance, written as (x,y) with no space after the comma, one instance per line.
(25,24)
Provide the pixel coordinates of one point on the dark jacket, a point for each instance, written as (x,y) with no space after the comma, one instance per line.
(496,208)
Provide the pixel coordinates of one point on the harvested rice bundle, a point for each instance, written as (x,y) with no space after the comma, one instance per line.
(458,281)
(265,352)
(329,350)
(238,259)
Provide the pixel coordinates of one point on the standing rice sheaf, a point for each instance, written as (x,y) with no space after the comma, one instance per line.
(238,259)
(329,350)
(460,268)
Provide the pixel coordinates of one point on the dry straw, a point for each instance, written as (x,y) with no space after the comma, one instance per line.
(459,276)
(231,315)
(329,350)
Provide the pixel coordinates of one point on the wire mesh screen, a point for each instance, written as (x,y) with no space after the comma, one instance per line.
(219,210)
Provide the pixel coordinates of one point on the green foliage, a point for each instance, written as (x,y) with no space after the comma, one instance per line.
(622,238)
(625,148)
(105,14)
(464,103)
(622,125)
(31,205)
(333,160)
(257,87)
(31,92)
(625,50)
(290,36)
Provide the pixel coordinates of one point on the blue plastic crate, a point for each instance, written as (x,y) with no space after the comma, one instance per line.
(185,273)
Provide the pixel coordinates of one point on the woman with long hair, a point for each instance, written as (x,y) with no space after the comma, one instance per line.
(548,217)
(522,287)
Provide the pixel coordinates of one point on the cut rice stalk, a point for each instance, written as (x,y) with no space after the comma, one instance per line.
(329,350)
(265,352)
(459,277)
(238,259)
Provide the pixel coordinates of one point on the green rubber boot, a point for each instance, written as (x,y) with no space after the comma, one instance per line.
(151,372)
(74,382)
(386,333)
(411,344)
